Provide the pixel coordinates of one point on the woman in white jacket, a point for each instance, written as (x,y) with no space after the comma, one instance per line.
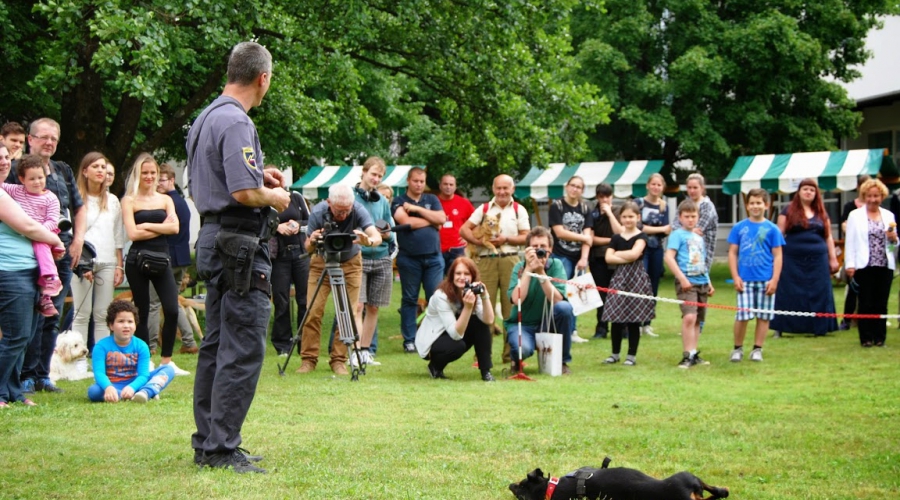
(449,329)
(869,259)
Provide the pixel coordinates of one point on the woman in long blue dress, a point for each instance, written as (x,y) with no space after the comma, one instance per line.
(808,262)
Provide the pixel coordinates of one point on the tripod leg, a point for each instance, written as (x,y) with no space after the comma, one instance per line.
(296,338)
(343,310)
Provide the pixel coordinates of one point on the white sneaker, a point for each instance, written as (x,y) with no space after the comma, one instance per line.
(140,397)
(756,355)
(576,339)
(737,355)
(178,371)
(648,331)
(371,359)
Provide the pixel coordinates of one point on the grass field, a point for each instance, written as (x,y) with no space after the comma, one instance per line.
(818,419)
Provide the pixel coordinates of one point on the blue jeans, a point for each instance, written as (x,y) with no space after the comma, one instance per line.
(569,266)
(451,255)
(37,358)
(19,322)
(159,379)
(564,319)
(426,271)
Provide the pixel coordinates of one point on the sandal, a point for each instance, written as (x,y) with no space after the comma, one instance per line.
(629,362)
(611,360)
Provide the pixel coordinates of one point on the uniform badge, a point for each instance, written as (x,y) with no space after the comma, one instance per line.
(249,157)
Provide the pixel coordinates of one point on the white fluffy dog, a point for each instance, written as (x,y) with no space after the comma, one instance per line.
(70,349)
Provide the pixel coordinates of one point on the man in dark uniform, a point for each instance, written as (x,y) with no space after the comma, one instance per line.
(233,195)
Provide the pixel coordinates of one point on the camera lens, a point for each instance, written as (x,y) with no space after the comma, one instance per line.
(541,253)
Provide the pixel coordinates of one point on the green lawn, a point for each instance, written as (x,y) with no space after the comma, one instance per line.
(818,419)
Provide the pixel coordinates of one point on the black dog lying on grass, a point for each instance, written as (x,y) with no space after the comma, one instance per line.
(618,483)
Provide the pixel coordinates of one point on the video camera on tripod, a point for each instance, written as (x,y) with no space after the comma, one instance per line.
(332,242)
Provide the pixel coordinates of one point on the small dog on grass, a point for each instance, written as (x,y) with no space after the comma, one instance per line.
(487,231)
(618,483)
(69,350)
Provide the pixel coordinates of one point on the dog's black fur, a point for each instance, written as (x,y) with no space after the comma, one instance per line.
(618,483)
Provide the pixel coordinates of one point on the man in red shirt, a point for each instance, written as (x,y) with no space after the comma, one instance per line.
(458,210)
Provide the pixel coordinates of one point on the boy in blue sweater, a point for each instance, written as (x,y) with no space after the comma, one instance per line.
(754,257)
(686,258)
(122,363)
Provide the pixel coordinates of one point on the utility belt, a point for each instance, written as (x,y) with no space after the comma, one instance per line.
(239,237)
(497,255)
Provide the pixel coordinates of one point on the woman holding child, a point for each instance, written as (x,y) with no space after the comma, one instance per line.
(457,319)
(869,261)
(808,262)
(19,290)
(149,217)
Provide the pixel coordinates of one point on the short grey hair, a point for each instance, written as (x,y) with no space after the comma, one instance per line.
(247,61)
(341,194)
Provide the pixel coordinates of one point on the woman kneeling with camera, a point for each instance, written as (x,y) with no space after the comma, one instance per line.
(449,329)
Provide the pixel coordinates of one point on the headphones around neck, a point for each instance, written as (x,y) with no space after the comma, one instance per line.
(369,196)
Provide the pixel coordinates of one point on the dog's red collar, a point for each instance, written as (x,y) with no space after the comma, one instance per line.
(551,487)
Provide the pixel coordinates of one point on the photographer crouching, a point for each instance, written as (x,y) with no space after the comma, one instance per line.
(329,221)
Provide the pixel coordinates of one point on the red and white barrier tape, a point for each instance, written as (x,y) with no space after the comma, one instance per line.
(717,306)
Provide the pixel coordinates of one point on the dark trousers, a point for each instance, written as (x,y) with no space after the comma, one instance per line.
(167,290)
(850,302)
(602,275)
(231,355)
(874,291)
(445,350)
(285,272)
(36,365)
(632,330)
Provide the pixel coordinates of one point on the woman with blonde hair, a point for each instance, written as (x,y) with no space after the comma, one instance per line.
(93,290)
(149,217)
(869,259)
(655,219)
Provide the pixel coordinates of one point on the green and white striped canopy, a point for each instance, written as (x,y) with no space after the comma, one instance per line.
(628,178)
(834,170)
(315,183)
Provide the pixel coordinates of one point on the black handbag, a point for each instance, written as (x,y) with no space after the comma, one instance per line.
(151,263)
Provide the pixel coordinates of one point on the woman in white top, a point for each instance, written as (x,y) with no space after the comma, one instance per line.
(449,329)
(869,259)
(93,291)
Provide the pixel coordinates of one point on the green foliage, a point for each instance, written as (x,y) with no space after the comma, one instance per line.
(472,88)
(710,80)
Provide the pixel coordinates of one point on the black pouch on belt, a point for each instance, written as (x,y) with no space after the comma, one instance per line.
(237,252)
(152,263)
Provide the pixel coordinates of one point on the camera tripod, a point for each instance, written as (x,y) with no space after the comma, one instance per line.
(343,311)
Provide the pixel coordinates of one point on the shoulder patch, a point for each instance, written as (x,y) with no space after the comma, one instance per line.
(249,157)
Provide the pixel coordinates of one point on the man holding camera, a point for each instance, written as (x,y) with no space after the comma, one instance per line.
(532,292)
(235,197)
(339,215)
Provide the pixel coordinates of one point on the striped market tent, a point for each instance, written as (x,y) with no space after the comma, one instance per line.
(834,170)
(315,183)
(628,178)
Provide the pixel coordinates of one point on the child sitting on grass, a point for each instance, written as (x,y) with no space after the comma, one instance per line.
(754,257)
(122,362)
(686,258)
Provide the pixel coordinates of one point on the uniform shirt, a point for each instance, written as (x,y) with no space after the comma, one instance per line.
(458,210)
(690,254)
(228,156)
(423,241)
(359,218)
(120,365)
(513,218)
(755,241)
(574,219)
(533,303)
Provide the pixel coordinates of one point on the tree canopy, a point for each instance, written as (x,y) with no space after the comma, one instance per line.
(472,87)
(711,81)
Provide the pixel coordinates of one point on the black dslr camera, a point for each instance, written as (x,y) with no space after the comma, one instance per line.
(540,252)
(477,288)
